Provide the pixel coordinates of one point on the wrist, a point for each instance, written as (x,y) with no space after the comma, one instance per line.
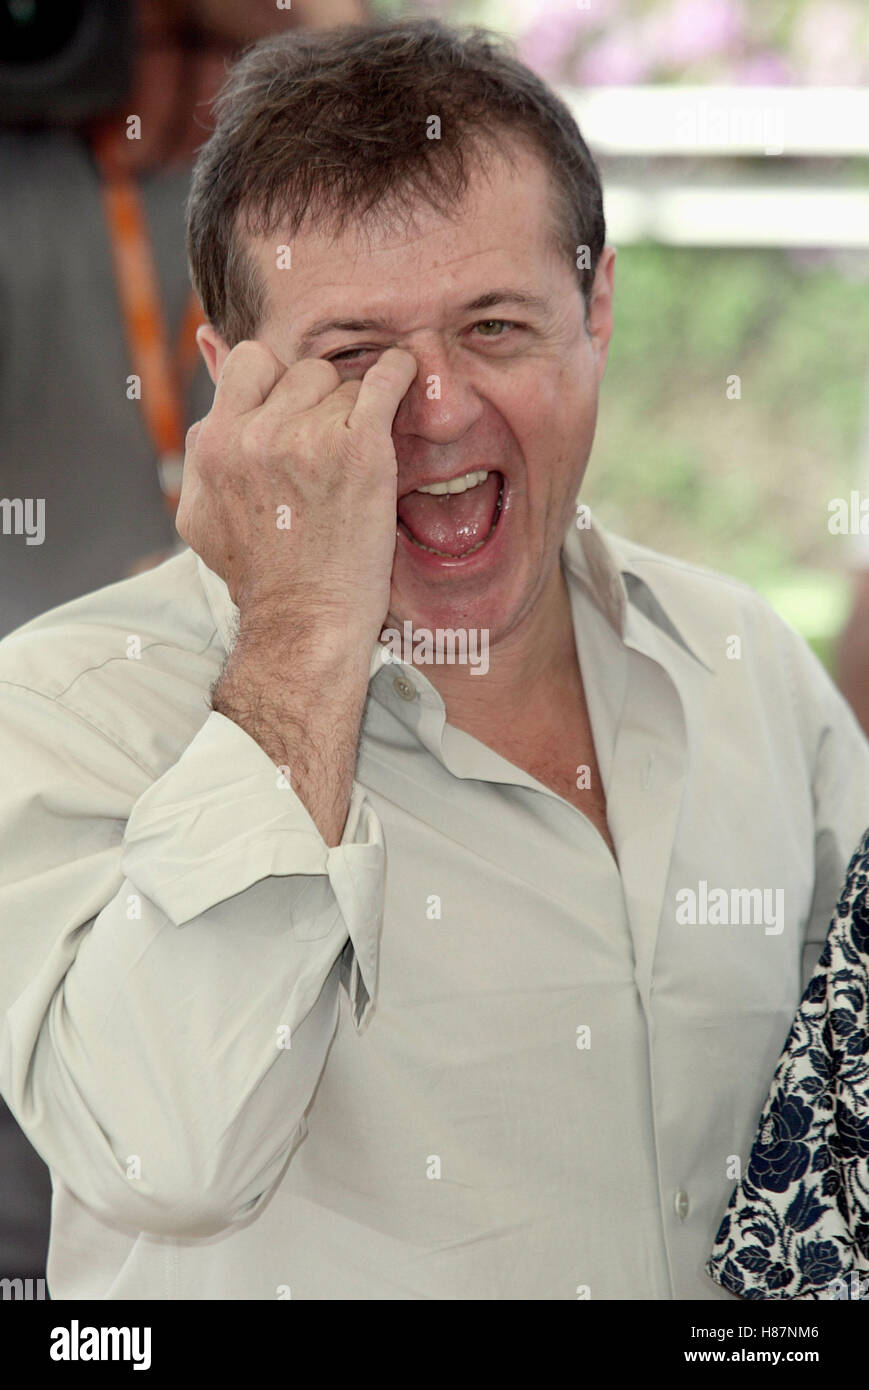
(291,657)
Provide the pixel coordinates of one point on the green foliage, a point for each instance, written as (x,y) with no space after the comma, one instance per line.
(742,485)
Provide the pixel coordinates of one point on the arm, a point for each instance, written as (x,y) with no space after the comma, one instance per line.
(304,714)
(153,976)
(301,444)
(170,989)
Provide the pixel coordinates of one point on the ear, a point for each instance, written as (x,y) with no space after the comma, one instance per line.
(600,309)
(213,348)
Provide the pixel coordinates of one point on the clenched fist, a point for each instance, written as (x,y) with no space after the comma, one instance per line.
(290,486)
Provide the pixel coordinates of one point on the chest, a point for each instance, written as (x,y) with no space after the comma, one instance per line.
(578,783)
(562,758)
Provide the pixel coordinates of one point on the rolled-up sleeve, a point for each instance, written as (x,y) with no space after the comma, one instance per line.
(172,953)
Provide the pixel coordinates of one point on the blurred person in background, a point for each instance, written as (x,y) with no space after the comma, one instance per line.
(95,293)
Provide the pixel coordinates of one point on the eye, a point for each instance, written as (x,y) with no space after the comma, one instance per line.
(497,323)
(349,354)
(353,354)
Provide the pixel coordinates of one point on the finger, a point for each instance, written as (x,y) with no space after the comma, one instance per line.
(383,387)
(335,406)
(305,384)
(247,377)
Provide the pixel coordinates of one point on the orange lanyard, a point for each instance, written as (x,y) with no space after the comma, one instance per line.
(164,375)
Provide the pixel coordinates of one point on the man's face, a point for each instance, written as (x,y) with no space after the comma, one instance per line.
(507,388)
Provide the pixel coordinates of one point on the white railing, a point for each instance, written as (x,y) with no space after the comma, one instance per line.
(786,206)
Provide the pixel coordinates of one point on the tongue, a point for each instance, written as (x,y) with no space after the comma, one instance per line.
(453,522)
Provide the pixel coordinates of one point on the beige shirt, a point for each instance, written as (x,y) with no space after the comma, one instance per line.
(462,1055)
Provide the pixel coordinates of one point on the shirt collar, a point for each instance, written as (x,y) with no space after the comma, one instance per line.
(623,579)
(618,575)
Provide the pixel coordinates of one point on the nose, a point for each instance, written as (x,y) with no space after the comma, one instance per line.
(442,403)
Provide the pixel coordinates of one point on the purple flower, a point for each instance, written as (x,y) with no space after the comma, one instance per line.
(547,44)
(687,31)
(763,70)
(617,60)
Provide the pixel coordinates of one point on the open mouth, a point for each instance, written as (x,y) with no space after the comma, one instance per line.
(455,518)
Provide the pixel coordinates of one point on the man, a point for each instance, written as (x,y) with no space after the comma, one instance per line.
(334,976)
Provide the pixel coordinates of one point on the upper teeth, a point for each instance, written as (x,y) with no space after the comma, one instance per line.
(457,484)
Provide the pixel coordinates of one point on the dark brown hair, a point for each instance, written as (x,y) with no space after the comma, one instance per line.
(337,121)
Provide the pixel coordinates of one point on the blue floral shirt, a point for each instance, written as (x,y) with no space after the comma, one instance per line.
(797,1225)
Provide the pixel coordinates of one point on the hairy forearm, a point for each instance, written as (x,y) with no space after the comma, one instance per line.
(304,709)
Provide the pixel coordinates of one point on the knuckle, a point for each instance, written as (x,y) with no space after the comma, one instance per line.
(202,443)
(353,448)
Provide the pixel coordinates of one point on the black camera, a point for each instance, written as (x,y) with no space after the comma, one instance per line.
(63,62)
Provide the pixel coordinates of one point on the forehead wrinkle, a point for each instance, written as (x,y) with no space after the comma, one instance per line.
(364,250)
(488,299)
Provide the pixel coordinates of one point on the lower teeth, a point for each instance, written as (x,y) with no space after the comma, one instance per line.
(444,554)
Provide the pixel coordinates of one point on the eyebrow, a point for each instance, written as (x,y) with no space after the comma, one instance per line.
(483,301)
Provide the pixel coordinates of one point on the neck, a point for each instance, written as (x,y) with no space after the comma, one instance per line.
(533,667)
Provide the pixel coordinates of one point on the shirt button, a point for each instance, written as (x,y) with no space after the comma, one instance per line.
(682,1204)
(405,688)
